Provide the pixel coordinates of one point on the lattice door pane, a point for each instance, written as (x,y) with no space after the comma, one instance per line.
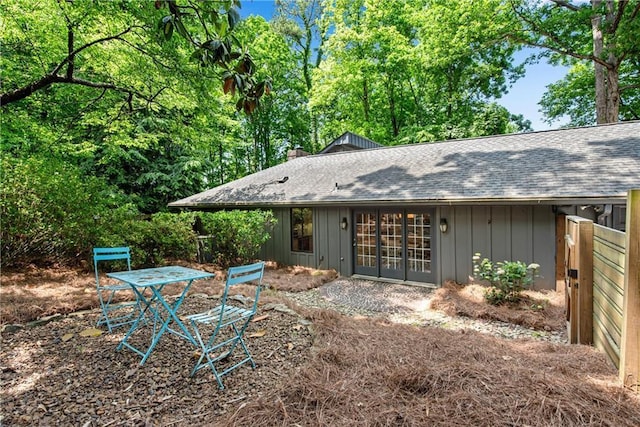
(391,241)
(366,239)
(419,242)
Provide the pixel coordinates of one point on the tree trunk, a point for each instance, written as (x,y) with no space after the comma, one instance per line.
(606,76)
(365,99)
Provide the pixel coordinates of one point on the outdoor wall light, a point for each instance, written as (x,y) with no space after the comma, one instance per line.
(344,223)
(443,225)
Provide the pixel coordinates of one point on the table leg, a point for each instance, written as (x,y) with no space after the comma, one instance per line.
(134,326)
(172,316)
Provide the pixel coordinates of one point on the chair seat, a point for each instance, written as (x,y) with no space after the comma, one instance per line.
(230,315)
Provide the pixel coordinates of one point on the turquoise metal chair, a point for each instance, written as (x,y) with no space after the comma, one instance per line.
(113,314)
(228,321)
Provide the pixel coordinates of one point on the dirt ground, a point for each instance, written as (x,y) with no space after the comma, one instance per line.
(32,293)
(313,367)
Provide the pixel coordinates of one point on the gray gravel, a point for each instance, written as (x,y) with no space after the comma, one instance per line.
(408,305)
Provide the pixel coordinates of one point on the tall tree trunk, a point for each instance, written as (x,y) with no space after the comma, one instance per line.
(392,107)
(606,71)
(365,99)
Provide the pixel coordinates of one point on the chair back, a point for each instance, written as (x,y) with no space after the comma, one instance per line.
(245,274)
(110,254)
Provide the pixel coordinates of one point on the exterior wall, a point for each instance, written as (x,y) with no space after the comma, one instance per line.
(331,244)
(513,233)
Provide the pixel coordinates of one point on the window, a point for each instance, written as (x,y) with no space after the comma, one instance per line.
(302,230)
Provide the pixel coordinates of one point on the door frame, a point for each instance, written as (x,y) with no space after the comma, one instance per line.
(404,273)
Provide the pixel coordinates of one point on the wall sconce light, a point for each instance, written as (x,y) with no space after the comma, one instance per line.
(443,225)
(344,223)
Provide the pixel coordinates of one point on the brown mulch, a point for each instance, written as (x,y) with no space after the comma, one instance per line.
(337,370)
(32,292)
(541,310)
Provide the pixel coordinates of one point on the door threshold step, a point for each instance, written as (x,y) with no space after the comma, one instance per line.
(396,281)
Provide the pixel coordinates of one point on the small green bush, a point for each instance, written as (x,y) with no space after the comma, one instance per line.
(507,279)
(237,235)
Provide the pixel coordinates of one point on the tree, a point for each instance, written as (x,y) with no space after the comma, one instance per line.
(401,71)
(602,34)
(206,26)
(157,147)
(303,25)
(283,120)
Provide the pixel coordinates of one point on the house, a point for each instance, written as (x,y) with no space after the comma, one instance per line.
(418,213)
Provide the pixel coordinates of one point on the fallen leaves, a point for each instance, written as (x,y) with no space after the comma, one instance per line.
(258,334)
(91,332)
(259,318)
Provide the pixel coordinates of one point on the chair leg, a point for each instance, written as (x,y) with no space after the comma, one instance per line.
(106,308)
(209,347)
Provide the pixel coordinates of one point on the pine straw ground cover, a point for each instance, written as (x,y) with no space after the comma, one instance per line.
(315,368)
(541,310)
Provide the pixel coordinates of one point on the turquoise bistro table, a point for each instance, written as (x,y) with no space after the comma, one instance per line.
(163,312)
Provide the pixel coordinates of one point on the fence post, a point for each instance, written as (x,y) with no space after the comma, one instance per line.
(585,279)
(630,343)
(580,279)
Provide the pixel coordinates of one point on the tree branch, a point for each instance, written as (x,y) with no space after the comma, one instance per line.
(49,79)
(565,4)
(88,45)
(553,38)
(635,12)
(53,77)
(618,17)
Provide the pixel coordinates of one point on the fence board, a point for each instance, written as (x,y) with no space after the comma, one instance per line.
(614,237)
(608,290)
(603,342)
(611,281)
(608,314)
(612,254)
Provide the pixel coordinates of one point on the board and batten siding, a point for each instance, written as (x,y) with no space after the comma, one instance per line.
(511,233)
(331,244)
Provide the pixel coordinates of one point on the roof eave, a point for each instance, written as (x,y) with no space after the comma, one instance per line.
(542,200)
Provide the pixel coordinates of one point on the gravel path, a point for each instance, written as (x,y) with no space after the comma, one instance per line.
(408,305)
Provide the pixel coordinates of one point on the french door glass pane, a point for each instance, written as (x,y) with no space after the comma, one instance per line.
(391,241)
(366,238)
(419,242)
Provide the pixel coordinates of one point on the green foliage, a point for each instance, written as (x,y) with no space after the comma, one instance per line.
(49,211)
(155,240)
(507,279)
(237,235)
(395,67)
(52,213)
(597,40)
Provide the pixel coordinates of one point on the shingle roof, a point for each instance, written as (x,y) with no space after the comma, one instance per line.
(599,163)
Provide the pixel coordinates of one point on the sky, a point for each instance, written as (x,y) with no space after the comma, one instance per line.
(523,97)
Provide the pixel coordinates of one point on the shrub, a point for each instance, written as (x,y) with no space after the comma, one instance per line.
(507,279)
(153,240)
(237,235)
(48,211)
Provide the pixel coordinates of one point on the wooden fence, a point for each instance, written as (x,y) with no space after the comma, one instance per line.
(602,277)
